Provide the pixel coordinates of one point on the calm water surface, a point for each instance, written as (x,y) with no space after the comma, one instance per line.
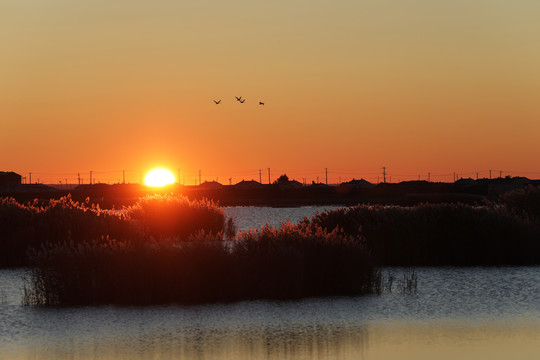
(252,217)
(470,313)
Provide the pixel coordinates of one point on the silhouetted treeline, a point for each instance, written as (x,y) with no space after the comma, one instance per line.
(292,193)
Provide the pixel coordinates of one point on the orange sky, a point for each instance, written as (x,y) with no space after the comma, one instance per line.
(349,85)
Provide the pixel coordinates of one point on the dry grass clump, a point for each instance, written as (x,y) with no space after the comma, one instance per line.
(168,215)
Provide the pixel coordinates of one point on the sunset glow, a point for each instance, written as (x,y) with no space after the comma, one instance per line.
(159,177)
(437,87)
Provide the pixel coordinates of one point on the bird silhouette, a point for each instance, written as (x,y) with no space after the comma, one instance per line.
(238,98)
(218,101)
(242,101)
(261,103)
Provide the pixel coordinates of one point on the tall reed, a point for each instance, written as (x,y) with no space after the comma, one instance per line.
(289,263)
(523,202)
(28,226)
(169,215)
(439,234)
(25,226)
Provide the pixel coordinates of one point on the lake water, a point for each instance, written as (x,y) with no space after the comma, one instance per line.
(456,313)
(251,217)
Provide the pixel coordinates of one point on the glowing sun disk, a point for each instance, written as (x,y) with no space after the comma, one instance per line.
(159,177)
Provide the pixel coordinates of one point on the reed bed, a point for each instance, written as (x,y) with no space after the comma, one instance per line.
(439,234)
(168,249)
(288,263)
(297,261)
(522,202)
(177,216)
(29,226)
(14,228)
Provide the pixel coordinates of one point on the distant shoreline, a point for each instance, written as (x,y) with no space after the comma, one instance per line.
(407,193)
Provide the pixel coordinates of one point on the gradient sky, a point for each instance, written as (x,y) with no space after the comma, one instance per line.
(349,85)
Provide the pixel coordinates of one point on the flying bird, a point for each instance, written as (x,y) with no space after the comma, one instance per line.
(238,98)
(218,101)
(242,101)
(261,103)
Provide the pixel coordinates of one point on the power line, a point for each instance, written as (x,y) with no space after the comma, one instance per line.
(124,176)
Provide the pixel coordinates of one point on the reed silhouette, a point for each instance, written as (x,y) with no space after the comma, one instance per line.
(524,202)
(288,263)
(31,225)
(169,249)
(177,216)
(157,217)
(439,234)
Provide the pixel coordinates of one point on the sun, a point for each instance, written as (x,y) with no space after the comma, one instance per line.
(159,177)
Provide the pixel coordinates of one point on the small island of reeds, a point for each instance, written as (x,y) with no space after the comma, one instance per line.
(170,249)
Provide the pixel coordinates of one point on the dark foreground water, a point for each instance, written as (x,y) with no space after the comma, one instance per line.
(456,313)
(473,313)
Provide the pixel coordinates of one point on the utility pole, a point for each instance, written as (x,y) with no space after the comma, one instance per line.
(428,176)
(490,174)
(384,174)
(476,176)
(268,175)
(260,176)
(123,176)
(90,177)
(230,181)
(30,178)
(79,178)
(500,174)
(326,175)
